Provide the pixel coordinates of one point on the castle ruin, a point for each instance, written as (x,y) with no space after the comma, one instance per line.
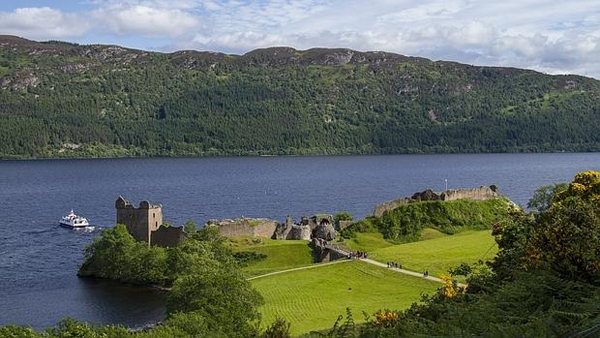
(145,223)
(318,226)
(482,193)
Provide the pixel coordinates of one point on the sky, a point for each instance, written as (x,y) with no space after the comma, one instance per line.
(551,36)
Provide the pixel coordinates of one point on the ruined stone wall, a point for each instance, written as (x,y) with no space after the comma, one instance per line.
(479,194)
(301,232)
(168,237)
(344,224)
(260,227)
(387,206)
(482,193)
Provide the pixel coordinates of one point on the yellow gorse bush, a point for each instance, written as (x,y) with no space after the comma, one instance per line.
(386,318)
(585,184)
(449,289)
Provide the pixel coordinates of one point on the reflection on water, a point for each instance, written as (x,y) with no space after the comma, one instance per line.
(92,300)
(112,302)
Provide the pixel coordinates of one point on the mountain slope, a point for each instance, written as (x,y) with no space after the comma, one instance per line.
(60,99)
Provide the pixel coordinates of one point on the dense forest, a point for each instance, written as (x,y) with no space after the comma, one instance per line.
(61,99)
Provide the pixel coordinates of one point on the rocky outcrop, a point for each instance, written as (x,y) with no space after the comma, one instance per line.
(482,193)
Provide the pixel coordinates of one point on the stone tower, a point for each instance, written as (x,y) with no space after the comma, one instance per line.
(141,221)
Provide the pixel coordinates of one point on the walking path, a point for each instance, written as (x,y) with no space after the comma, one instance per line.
(300,268)
(366,260)
(406,272)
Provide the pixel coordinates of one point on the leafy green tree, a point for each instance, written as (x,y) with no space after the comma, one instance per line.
(567,236)
(542,196)
(117,255)
(190,226)
(12,331)
(221,294)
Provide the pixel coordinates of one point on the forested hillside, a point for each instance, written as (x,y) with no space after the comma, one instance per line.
(66,100)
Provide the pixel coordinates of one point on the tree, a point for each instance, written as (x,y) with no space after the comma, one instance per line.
(567,236)
(542,196)
(221,294)
(190,227)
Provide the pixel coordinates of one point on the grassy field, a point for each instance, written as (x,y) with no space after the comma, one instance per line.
(439,254)
(312,299)
(281,255)
(366,241)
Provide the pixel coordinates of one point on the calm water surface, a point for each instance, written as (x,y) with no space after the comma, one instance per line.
(39,260)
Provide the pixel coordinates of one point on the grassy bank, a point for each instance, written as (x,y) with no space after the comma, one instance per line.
(440,254)
(312,299)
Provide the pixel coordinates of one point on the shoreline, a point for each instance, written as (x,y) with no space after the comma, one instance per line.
(294,155)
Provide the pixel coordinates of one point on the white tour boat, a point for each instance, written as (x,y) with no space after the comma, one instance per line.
(73,221)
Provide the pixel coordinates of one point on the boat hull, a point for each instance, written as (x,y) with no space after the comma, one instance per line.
(69,226)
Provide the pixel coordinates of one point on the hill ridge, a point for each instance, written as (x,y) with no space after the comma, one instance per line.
(59,99)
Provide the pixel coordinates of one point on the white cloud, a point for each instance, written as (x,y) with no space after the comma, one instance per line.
(546,35)
(425,11)
(151,21)
(42,23)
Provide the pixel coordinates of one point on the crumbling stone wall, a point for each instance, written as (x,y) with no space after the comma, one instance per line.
(168,237)
(255,227)
(299,232)
(480,194)
(320,226)
(344,224)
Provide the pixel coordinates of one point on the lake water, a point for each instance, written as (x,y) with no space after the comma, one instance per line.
(39,260)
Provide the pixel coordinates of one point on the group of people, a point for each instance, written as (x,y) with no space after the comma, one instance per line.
(394,265)
(426,273)
(358,254)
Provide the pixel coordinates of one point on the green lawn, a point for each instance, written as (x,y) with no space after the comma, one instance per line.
(371,241)
(439,254)
(367,241)
(312,299)
(281,255)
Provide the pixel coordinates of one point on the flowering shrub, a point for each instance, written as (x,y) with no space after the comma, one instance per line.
(386,318)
